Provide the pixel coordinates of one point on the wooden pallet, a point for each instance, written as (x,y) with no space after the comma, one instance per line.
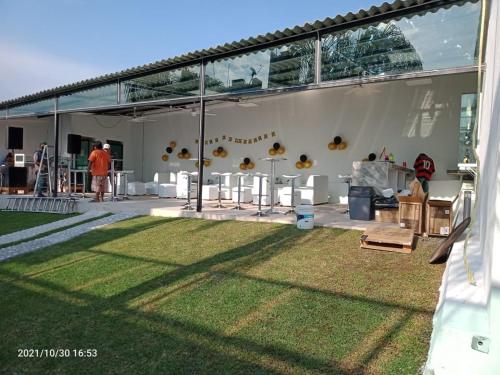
(389,239)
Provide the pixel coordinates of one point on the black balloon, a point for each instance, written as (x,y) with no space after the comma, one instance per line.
(246,160)
(276,146)
(169,150)
(337,140)
(184,151)
(220,148)
(303,158)
(372,157)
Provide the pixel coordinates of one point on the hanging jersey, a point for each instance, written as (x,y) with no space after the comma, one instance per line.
(424,167)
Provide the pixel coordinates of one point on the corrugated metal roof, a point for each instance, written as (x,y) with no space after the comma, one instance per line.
(213,52)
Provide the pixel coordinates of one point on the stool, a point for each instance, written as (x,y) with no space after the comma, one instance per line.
(219,190)
(292,178)
(238,204)
(261,176)
(347,179)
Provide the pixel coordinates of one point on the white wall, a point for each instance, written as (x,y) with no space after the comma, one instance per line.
(406,119)
(35,131)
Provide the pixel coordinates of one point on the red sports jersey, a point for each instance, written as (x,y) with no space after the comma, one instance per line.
(424,166)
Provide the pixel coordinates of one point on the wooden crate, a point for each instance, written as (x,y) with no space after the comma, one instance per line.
(387,215)
(439,216)
(412,214)
(389,239)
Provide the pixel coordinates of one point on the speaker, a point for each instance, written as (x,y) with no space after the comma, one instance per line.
(15,138)
(74,144)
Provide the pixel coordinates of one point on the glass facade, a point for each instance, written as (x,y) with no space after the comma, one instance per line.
(3,113)
(438,39)
(95,97)
(282,66)
(169,84)
(38,107)
(468,118)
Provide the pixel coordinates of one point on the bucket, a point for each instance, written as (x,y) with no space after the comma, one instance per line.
(305,216)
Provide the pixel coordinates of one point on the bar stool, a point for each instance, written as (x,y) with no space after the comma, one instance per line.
(347,179)
(219,190)
(188,206)
(292,178)
(240,176)
(261,176)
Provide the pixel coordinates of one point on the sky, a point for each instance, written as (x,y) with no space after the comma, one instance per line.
(48,43)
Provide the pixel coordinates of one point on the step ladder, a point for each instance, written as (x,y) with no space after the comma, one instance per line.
(44,161)
(56,205)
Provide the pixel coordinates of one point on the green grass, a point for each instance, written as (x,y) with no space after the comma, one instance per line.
(186,296)
(14,221)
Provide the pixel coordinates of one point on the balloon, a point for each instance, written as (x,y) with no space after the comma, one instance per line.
(243,166)
(281,150)
(251,165)
(342,146)
(276,146)
(184,150)
(220,148)
(308,164)
(169,150)
(187,155)
(332,146)
(299,165)
(173,144)
(372,157)
(164,157)
(246,161)
(180,155)
(303,158)
(215,153)
(272,151)
(196,164)
(223,153)
(207,163)
(337,140)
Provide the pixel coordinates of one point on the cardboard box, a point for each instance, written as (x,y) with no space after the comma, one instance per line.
(439,217)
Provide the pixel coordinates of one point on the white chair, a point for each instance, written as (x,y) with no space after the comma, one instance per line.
(182,188)
(136,188)
(315,191)
(151,188)
(210,192)
(245,194)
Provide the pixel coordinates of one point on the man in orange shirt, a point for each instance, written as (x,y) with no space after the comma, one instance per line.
(98,166)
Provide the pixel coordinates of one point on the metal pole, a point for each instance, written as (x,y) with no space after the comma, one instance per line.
(317,59)
(201,139)
(56,147)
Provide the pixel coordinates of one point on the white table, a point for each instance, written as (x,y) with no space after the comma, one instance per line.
(273,161)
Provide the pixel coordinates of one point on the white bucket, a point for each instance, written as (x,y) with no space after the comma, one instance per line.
(305,216)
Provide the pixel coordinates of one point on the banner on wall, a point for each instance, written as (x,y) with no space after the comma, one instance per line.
(236,140)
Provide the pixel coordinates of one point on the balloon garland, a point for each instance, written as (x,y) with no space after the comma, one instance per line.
(303,162)
(276,149)
(337,144)
(169,149)
(247,164)
(184,154)
(219,152)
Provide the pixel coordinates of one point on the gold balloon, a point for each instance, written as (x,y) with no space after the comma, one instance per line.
(187,155)
(272,151)
(180,155)
(173,144)
(196,164)
(223,154)
(243,166)
(332,146)
(281,150)
(251,165)
(164,157)
(308,164)
(299,165)
(215,152)
(342,145)
(207,163)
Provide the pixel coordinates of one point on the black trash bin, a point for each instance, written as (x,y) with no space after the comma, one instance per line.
(361,203)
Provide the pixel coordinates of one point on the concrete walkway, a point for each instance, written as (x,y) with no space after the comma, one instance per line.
(62,236)
(35,231)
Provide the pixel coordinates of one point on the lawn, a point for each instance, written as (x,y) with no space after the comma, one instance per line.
(14,221)
(186,296)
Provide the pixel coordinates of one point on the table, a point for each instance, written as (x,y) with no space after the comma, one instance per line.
(75,172)
(273,161)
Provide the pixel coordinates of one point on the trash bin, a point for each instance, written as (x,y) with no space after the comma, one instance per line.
(305,216)
(361,206)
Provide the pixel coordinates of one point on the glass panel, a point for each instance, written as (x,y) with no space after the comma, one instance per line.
(164,85)
(433,40)
(95,97)
(41,106)
(286,65)
(3,113)
(467,123)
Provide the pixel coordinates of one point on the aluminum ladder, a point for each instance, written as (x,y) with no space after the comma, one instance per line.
(59,205)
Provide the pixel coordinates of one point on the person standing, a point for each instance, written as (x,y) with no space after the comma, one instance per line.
(41,169)
(424,169)
(98,167)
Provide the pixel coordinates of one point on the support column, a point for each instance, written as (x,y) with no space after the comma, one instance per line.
(56,147)
(317,59)
(201,139)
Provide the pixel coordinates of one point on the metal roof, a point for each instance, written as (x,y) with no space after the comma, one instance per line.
(396,8)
